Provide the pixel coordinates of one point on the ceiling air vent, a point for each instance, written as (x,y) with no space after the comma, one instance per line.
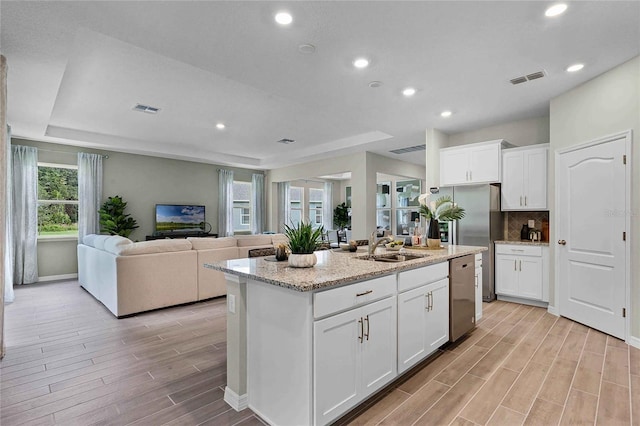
(409,149)
(286,141)
(528,77)
(146,108)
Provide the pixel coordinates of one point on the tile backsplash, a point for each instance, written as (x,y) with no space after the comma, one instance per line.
(513,222)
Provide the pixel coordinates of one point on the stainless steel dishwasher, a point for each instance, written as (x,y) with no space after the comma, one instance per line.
(462,296)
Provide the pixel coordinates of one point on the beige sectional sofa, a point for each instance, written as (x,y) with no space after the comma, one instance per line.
(130,277)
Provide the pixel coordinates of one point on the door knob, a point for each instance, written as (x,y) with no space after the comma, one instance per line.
(562,242)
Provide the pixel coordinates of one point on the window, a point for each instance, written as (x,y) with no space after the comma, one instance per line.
(407,193)
(295,205)
(57,200)
(241,206)
(315,206)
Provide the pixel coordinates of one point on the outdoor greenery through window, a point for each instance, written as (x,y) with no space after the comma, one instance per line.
(241,206)
(57,200)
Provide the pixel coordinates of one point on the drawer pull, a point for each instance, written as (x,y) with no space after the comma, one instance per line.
(517,249)
(361,330)
(364,293)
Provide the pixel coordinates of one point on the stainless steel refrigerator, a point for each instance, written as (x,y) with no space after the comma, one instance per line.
(481,226)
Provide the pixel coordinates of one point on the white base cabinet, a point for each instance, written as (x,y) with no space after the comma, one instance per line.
(522,271)
(354,356)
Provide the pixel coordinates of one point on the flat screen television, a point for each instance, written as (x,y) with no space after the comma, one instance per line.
(179,218)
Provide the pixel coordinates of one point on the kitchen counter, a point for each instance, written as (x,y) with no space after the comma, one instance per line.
(335,267)
(523,242)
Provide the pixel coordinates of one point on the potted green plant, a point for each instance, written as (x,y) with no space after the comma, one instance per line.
(303,241)
(113,220)
(441,209)
(341,216)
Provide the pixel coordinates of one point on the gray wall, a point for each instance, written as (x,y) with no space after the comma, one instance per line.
(142,181)
(608,104)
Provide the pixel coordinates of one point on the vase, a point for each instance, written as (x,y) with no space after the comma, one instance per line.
(433,236)
(302,260)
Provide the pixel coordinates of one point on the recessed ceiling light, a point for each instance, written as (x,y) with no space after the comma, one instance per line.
(575,67)
(555,10)
(284,18)
(220,126)
(361,63)
(307,49)
(409,91)
(445,114)
(374,84)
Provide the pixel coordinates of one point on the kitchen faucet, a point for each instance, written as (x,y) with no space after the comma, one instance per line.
(373,245)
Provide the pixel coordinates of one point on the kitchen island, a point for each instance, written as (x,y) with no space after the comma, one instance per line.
(306,345)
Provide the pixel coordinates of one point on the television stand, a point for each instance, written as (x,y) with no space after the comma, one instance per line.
(172,235)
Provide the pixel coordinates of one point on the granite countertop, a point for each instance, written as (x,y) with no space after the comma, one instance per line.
(523,242)
(335,267)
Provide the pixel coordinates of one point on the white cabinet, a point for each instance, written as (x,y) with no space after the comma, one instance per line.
(354,356)
(474,163)
(478,273)
(423,313)
(522,271)
(524,178)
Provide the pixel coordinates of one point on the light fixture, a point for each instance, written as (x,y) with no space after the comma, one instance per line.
(307,49)
(220,126)
(575,67)
(375,84)
(445,114)
(284,18)
(361,63)
(555,10)
(409,91)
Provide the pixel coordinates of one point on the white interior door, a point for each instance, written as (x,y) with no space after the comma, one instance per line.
(591,206)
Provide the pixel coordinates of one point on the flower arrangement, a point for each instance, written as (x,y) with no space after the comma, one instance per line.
(441,209)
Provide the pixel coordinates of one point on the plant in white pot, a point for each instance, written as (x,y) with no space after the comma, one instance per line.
(442,209)
(303,241)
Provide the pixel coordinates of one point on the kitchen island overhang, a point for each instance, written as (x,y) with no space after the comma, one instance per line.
(287,295)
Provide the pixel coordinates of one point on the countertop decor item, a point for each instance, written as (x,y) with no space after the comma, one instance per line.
(303,241)
(441,209)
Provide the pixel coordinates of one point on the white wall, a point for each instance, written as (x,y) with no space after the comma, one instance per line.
(608,104)
(434,140)
(529,131)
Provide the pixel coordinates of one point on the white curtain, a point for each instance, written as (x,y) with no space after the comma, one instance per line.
(25,214)
(8,234)
(89,194)
(257,202)
(327,206)
(225,203)
(284,205)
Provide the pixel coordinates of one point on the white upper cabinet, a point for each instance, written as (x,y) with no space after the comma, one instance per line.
(474,163)
(524,178)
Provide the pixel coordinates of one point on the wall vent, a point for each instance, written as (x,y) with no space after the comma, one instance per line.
(409,149)
(529,77)
(286,141)
(146,108)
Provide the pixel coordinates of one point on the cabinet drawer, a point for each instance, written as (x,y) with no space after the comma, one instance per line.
(339,299)
(520,250)
(421,276)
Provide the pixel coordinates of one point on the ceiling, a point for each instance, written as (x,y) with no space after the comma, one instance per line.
(76,70)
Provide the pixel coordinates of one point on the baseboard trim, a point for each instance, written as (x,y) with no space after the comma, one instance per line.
(634,341)
(522,301)
(58,277)
(237,402)
(553,310)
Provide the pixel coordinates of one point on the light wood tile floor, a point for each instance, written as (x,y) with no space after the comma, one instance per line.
(70,362)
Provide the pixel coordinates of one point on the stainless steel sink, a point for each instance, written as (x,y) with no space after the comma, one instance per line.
(390,257)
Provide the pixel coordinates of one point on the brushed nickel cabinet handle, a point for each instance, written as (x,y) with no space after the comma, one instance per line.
(367,333)
(427,301)
(361,330)
(520,265)
(515,265)
(525,200)
(430,301)
(521,200)
(364,293)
